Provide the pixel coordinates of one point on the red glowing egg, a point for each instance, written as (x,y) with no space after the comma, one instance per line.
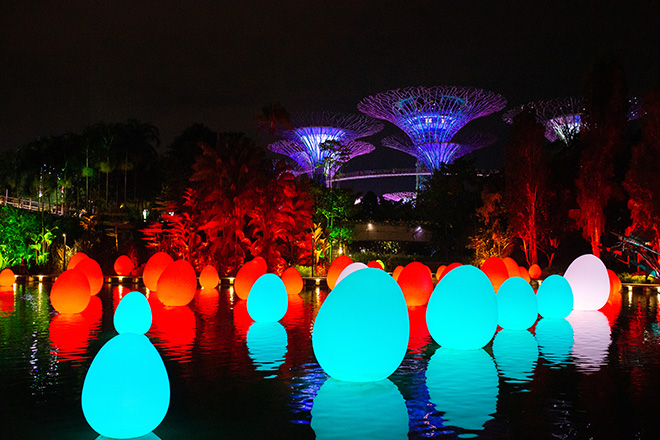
(70,292)
(77,258)
(261,261)
(337,266)
(511,266)
(93,272)
(416,284)
(7,278)
(123,266)
(376,264)
(177,284)
(524,273)
(447,270)
(535,271)
(496,271)
(439,271)
(209,278)
(292,281)
(246,276)
(154,267)
(397,272)
(615,282)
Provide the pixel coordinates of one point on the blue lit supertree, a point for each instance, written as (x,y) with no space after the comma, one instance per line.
(320,143)
(431,117)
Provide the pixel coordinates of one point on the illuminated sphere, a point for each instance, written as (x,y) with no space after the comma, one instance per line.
(416,284)
(335,269)
(77,258)
(447,269)
(535,271)
(292,281)
(261,262)
(133,314)
(154,267)
(397,272)
(376,264)
(209,278)
(462,310)
(94,274)
(615,282)
(126,392)
(353,267)
(123,266)
(177,284)
(438,272)
(517,308)
(524,274)
(361,330)
(496,271)
(555,297)
(70,292)
(268,299)
(246,276)
(589,281)
(7,277)
(511,266)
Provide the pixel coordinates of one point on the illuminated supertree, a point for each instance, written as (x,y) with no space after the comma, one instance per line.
(431,117)
(320,143)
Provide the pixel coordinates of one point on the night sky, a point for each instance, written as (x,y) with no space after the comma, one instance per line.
(74,63)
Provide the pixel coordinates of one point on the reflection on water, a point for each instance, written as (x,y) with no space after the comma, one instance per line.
(150,436)
(173,330)
(516,353)
(555,338)
(70,333)
(266,343)
(591,334)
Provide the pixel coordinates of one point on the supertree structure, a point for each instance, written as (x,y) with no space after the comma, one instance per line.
(431,116)
(321,142)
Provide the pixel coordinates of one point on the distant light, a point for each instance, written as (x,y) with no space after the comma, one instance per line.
(145,213)
(370,227)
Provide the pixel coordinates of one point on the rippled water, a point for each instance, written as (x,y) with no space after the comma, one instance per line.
(593,375)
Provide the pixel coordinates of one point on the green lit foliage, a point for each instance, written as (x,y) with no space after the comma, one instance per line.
(21,236)
(334,206)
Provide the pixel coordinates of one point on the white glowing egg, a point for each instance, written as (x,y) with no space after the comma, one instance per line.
(353,267)
(555,297)
(517,308)
(589,281)
(268,300)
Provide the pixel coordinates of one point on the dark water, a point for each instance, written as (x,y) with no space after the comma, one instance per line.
(593,375)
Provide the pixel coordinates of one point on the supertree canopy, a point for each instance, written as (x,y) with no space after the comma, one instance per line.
(320,143)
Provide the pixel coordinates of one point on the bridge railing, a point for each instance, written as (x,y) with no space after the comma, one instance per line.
(30,205)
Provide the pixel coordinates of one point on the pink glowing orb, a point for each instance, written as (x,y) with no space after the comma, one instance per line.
(246,276)
(154,267)
(7,278)
(496,271)
(209,278)
(93,272)
(77,258)
(416,284)
(292,281)
(123,266)
(336,268)
(70,292)
(535,271)
(177,284)
(589,281)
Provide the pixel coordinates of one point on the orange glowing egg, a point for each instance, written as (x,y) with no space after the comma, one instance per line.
(397,272)
(70,292)
(177,284)
(7,278)
(335,269)
(615,282)
(154,267)
(524,273)
(535,271)
(511,266)
(496,271)
(416,284)
(292,281)
(446,270)
(246,276)
(123,266)
(438,272)
(261,261)
(376,264)
(209,278)
(94,274)
(77,258)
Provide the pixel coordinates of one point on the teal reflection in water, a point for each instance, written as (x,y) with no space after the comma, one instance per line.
(555,339)
(516,353)
(369,410)
(267,344)
(464,385)
(592,339)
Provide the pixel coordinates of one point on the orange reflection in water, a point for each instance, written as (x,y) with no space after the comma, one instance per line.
(7,301)
(70,333)
(419,332)
(174,329)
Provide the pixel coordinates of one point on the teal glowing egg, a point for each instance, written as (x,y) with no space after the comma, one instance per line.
(462,311)
(555,297)
(517,308)
(371,410)
(266,344)
(361,331)
(555,339)
(126,392)
(516,353)
(268,300)
(133,314)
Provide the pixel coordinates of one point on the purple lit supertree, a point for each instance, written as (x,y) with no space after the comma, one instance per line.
(320,143)
(431,117)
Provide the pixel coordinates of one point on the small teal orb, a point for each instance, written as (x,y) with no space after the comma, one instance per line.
(516,353)
(361,331)
(268,300)
(126,392)
(555,338)
(267,344)
(462,311)
(516,305)
(133,314)
(555,297)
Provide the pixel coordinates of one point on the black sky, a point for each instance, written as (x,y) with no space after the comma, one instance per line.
(73,63)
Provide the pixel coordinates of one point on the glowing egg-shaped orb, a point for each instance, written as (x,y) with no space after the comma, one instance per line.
(517,308)
(516,353)
(416,284)
(555,297)
(446,270)
(615,282)
(177,284)
(524,274)
(7,277)
(496,271)
(266,343)
(535,271)
(94,274)
(336,268)
(555,339)
(511,266)
(462,310)
(343,410)
(438,272)
(292,281)
(154,267)
(397,272)
(208,277)
(126,392)
(589,281)
(246,276)
(261,262)
(123,266)
(70,292)
(592,338)
(361,330)
(353,267)
(376,264)
(77,258)
(133,314)
(268,299)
